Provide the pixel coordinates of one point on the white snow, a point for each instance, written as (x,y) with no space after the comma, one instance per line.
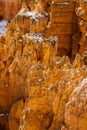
(3,25)
(2,114)
(40,80)
(61,3)
(36,38)
(32,14)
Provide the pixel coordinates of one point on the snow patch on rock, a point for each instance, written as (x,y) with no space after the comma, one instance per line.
(3,25)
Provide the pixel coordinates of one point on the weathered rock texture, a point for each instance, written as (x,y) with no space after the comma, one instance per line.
(38,89)
(9,8)
(63,24)
(81,11)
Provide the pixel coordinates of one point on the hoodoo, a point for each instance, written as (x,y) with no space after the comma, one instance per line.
(43,65)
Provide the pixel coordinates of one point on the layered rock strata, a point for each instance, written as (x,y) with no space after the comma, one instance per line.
(63,24)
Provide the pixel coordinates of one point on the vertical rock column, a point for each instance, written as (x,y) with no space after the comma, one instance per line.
(11,8)
(1,6)
(81,12)
(62,23)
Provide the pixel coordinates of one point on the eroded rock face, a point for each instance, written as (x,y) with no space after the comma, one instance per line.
(81,11)
(55,89)
(60,11)
(15,114)
(38,84)
(9,8)
(76,108)
(36,115)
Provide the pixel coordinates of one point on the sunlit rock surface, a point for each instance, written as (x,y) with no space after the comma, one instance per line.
(56,88)
(39,89)
(81,11)
(76,108)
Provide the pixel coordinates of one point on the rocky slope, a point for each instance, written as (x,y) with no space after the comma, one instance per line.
(39,90)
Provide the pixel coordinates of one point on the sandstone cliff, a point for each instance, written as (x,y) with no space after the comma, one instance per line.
(39,90)
(9,8)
